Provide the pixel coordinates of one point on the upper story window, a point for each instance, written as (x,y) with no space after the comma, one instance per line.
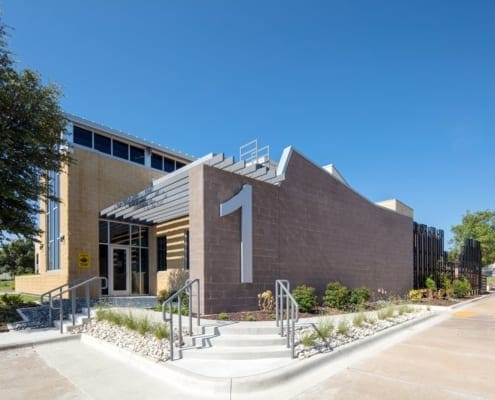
(103,144)
(83,137)
(123,150)
(120,149)
(137,155)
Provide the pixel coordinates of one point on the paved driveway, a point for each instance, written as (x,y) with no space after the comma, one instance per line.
(452,360)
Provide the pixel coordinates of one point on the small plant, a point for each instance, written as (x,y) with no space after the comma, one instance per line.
(143,325)
(305,297)
(358,297)
(160,331)
(343,327)
(369,320)
(250,317)
(325,328)
(272,316)
(416,295)
(266,301)
(162,296)
(387,312)
(177,279)
(430,284)
(308,340)
(223,316)
(461,287)
(336,296)
(358,320)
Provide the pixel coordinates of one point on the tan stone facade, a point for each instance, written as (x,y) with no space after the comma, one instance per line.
(311,229)
(92,183)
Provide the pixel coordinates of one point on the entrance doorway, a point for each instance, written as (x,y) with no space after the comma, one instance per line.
(119,271)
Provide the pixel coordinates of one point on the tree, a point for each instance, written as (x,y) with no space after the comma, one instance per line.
(31,143)
(17,257)
(479,225)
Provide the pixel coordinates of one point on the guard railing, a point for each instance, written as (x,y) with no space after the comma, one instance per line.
(286,308)
(168,308)
(72,290)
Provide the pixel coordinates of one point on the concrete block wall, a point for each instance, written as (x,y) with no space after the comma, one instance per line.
(312,229)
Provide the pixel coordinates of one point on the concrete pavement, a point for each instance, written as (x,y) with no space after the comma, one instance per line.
(445,357)
(452,360)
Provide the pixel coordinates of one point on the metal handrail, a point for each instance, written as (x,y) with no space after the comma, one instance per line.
(49,293)
(73,297)
(282,292)
(187,288)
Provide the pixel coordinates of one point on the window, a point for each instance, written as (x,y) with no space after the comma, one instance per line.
(156,161)
(119,233)
(179,164)
(53,223)
(168,164)
(161,253)
(120,149)
(83,136)
(137,155)
(103,144)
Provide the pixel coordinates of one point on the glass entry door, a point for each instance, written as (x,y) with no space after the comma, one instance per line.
(119,271)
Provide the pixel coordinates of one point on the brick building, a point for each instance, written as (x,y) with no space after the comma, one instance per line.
(134,212)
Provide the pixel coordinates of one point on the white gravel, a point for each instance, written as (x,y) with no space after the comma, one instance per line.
(146,345)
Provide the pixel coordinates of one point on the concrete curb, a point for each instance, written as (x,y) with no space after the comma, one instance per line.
(32,343)
(218,387)
(465,303)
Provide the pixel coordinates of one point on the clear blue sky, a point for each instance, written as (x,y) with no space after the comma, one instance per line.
(399,95)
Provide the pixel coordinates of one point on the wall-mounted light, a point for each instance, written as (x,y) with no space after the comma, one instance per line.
(61,238)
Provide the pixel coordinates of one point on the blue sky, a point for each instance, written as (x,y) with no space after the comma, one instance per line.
(399,95)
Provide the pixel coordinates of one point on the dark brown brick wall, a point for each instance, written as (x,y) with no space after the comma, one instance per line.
(312,229)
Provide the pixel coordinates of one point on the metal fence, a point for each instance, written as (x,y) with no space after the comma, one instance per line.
(431,260)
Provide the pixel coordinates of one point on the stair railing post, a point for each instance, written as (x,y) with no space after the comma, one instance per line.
(171,334)
(198,313)
(73,301)
(179,314)
(50,316)
(61,312)
(190,309)
(293,329)
(288,319)
(87,301)
(276,303)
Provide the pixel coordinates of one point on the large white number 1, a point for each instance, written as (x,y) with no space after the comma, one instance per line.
(244,201)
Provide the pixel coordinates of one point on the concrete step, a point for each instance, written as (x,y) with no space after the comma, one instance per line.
(241,340)
(237,353)
(67,323)
(249,330)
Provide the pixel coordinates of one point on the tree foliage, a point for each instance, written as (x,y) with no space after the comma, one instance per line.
(31,143)
(479,225)
(17,257)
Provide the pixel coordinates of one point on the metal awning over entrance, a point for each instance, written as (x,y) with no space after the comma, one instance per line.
(168,197)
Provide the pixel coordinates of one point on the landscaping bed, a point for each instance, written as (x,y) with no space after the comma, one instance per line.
(9,303)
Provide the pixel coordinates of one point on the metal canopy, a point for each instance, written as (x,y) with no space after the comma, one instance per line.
(168,197)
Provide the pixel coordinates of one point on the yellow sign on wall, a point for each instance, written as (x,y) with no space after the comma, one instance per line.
(84,260)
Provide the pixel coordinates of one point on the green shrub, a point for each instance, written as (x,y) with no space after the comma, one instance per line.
(250,317)
(358,297)
(325,328)
(430,284)
(336,296)
(163,295)
(12,300)
(416,295)
(461,287)
(343,327)
(223,316)
(305,297)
